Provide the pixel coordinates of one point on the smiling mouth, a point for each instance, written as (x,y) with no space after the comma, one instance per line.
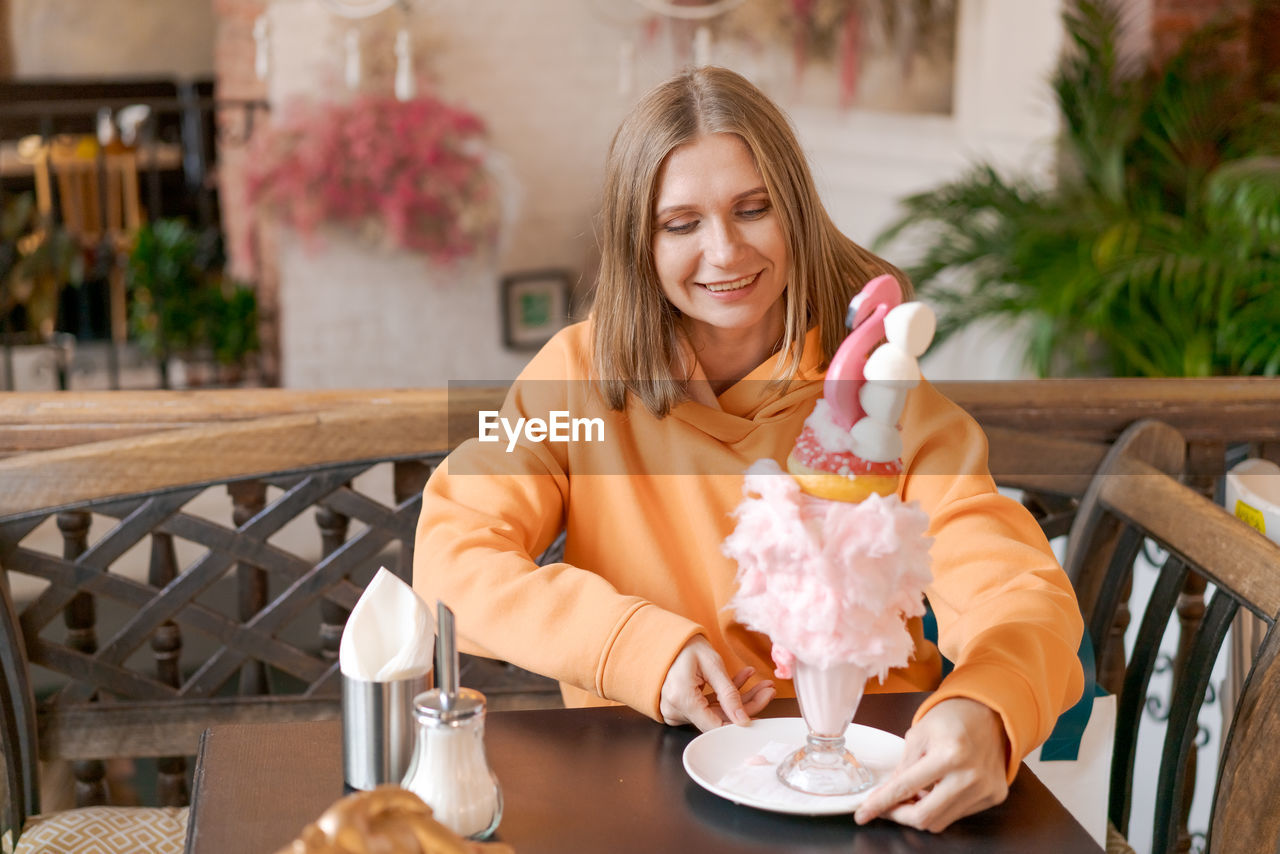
(735,285)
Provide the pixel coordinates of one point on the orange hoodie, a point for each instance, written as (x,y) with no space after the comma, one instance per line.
(646,508)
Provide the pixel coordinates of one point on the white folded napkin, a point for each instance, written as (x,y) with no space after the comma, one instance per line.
(757,777)
(390,634)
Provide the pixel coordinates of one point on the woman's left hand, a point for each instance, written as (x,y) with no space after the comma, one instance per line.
(698,667)
(953,765)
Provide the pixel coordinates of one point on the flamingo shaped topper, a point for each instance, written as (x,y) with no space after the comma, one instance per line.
(844,377)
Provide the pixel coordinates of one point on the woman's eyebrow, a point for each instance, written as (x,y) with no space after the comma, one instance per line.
(682,207)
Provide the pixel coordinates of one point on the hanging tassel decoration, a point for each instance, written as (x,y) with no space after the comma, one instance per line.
(352,74)
(702,46)
(405,88)
(850,55)
(626,67)
(802,10)
(906,36)
(261,46)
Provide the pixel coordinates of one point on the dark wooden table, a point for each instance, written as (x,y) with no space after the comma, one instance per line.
(591,780)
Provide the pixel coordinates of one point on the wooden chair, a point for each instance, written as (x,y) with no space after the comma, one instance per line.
(1131,501)
(98,203)
(23,829)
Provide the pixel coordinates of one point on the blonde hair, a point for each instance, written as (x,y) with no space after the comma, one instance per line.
(636,328)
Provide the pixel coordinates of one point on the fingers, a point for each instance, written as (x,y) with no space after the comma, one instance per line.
(908,780)
(949,801)
(952,766)
(757,697)
(701,714)
(754,700)
(726,691)
(684,698)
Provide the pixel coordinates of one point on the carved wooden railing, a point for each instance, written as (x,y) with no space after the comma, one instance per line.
(117,699)
(124,689)
(281,452)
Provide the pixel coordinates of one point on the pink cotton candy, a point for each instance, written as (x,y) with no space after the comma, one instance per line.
(828,581)
(783,662)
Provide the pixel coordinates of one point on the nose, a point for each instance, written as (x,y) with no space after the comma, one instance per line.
(724,244)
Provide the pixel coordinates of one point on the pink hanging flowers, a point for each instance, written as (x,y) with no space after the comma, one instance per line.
(409,174)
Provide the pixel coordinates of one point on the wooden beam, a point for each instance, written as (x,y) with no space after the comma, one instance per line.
(1223,409)
(45,421)
(98,730)
(1211,409)
(220,452)
(100,444)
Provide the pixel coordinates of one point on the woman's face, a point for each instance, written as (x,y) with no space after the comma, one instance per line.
(718,244)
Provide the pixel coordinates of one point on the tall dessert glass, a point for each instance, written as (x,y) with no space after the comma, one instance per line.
(828,697)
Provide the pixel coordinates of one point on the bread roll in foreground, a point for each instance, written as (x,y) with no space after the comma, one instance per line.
(387,820)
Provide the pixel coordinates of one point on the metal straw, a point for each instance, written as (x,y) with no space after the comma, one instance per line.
(447,656)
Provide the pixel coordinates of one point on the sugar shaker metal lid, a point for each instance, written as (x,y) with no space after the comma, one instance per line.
(436,706)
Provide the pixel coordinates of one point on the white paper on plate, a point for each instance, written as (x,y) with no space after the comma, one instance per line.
(757,777)
(390,634)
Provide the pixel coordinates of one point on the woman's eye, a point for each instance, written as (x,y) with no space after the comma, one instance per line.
(679,227)
(754,212)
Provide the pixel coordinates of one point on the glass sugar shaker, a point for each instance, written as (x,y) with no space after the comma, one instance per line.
(449,770)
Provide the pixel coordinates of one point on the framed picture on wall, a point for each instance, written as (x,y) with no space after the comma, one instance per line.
(535,306)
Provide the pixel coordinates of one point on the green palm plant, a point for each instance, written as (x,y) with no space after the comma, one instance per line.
(1156,251)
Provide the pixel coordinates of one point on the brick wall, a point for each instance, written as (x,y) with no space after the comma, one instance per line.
(1264,46)
(6,49)
(233,55)
(1173,20)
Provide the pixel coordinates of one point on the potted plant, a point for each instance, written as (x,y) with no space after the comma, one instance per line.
(182,305)
(36,262)
(1157,250)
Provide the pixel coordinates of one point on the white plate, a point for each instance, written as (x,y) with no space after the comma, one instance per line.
(713,755)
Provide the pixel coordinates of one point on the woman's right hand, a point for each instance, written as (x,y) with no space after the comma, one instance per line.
(684,699)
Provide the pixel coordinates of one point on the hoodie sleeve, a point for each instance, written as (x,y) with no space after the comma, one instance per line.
(488,511)
(1007,615)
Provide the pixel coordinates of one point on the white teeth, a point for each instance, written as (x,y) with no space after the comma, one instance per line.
(731,286)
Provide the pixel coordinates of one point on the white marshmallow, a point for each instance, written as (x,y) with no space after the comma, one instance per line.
(876,441)
(890,363)
(910,326)
(883,401)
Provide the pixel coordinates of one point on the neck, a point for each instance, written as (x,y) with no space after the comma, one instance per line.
(728,355)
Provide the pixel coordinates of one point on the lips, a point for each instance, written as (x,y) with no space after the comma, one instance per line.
(731,285)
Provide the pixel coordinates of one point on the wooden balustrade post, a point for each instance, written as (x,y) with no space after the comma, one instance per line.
(1190,610)
(1112,665)
(248,497)
(82,636)
(1205,462)
(333,617)
(166,645)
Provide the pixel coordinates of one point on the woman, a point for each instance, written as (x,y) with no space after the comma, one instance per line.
(720,300)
